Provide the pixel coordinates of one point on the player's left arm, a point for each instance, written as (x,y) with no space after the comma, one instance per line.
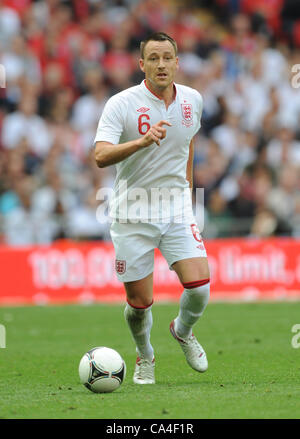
(189,166)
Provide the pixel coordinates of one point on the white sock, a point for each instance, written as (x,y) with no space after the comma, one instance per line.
(192,304)
(140,323)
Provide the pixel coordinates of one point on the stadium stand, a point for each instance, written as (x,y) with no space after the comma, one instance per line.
(64,59)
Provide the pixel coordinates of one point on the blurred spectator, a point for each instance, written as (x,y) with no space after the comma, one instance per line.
(83,222)
(228,135)
(118,63)
(209,40)
(290,15)
(219,219)
(243,205)
(89,106)
(255,95)
(189,62)
(282,198)
(23,225)
(52,198)
(25,123)
(264,224)
(10,24)
(284,148)
(267,10)
(22,68)
(240,39)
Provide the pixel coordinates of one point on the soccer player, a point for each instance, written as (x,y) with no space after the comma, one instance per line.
(147,131)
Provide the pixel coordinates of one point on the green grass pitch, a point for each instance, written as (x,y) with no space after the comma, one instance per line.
(254,372)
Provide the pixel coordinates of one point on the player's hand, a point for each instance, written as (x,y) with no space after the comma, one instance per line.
(155,134)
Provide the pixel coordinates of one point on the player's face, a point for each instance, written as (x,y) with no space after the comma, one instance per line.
(159,64)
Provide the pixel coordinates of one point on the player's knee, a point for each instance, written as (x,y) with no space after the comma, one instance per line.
(199,290)
(139,302)
(135,314)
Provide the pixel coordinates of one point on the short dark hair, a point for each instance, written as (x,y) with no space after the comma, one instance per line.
(157,36)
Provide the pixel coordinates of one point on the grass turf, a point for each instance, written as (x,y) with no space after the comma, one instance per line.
(253,368)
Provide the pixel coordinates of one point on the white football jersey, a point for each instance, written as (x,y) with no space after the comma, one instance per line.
(154,171)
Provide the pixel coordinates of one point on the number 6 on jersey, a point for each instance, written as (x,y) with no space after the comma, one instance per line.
(144,127)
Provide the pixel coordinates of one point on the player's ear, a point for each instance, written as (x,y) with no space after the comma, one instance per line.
(177,63)
(141,61)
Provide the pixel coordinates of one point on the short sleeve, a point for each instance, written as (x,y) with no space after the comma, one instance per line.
(111,123)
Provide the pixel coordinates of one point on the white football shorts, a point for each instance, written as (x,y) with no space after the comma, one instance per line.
(135,243)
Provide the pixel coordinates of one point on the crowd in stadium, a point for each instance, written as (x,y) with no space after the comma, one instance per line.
(64,59)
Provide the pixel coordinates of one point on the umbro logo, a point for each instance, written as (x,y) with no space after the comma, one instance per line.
(143,109)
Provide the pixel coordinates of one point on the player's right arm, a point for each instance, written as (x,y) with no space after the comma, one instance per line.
(107,153)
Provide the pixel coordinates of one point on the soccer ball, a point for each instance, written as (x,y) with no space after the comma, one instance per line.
(102,370)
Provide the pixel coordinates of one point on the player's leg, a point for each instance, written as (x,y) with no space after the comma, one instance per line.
(193,274)
(184,250)
(134,245)
(140,292)
(138,315)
